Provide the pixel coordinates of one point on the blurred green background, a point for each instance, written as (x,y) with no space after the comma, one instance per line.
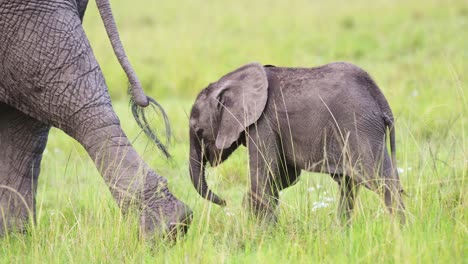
(178,47)
(415,50)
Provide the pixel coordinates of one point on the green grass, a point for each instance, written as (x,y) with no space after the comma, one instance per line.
(415,50)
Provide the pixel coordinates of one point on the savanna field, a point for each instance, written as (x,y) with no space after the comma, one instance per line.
(417,52)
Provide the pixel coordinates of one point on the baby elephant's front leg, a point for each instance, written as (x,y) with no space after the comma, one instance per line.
(262,199)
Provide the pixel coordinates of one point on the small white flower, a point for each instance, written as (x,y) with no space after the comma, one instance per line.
(325,202)
(317,187)
(228,213)
(402,170)
(318,205)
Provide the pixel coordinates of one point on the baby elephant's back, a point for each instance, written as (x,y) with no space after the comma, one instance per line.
(311,103)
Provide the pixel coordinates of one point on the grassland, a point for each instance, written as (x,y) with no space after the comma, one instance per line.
(415,50)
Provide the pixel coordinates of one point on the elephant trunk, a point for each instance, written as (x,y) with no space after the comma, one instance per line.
(130,180)
(197,171)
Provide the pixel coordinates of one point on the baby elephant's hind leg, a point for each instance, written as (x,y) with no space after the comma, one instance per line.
(391,190)
(22,142)
(348,192)
(394,201)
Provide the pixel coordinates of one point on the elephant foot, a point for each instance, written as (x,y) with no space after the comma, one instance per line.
(393,200)
(14,218)
(181,226)
(166,225)
(262,207)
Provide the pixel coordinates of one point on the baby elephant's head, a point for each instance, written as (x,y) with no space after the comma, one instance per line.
(220,115)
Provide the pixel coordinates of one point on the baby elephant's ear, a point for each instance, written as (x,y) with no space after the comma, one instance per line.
(242,95)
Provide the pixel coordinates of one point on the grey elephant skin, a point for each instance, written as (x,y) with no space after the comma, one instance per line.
(330,119)
(50,77)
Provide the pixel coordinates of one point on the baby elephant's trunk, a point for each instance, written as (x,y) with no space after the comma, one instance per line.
(197,171)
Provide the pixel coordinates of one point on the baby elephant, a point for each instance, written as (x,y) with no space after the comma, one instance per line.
(330,119)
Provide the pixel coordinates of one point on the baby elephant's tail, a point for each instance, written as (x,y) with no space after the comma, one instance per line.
(390,124)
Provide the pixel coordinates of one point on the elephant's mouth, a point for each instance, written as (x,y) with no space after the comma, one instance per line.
(216,156)
(213,159)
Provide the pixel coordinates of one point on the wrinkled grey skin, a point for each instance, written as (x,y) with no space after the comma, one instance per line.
(331,119)
(50,77)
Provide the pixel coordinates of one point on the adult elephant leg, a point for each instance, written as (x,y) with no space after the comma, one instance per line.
(22,142)
(60,83)
(81,5)
(129,178)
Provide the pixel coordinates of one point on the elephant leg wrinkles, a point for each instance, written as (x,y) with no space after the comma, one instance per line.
(61,85)
(22,142)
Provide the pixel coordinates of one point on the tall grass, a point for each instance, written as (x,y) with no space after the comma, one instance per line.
(415,50)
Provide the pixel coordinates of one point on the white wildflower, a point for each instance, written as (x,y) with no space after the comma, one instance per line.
(228,213)
(325,202)
(318,205)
